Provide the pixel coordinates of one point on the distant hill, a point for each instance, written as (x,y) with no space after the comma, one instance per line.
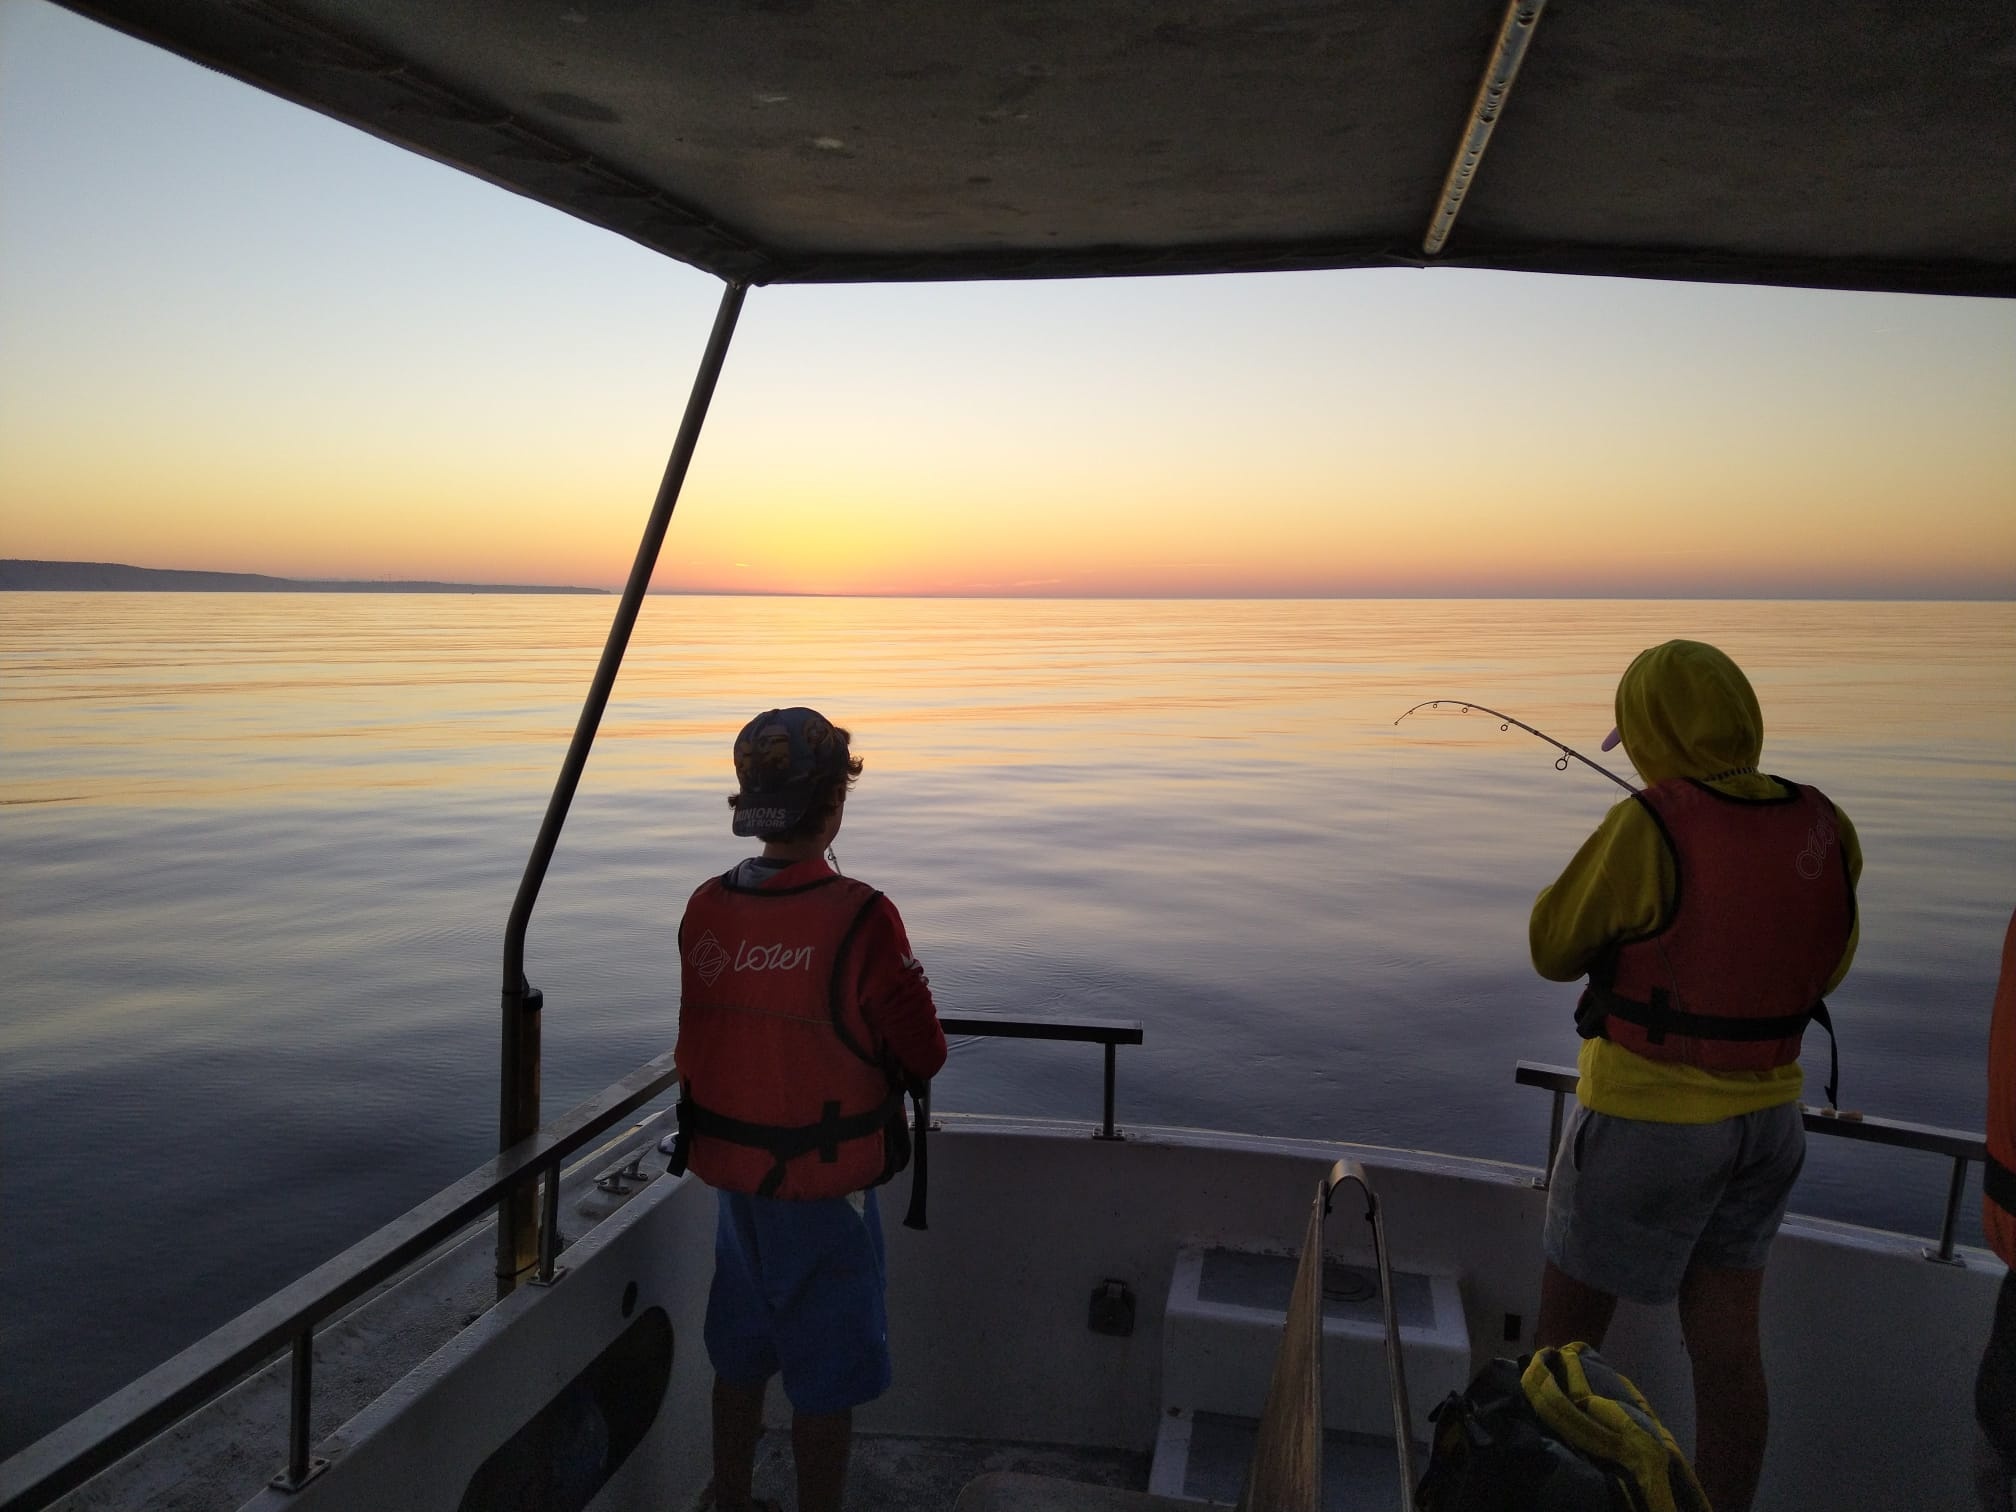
(18,576)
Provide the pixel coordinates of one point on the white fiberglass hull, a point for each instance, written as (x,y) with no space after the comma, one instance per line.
(1870,1346)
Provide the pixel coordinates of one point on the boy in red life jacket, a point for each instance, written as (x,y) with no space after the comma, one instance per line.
(803,1016)
(1712,912)
(1995,1382)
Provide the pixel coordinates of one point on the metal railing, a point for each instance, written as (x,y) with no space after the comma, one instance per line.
(1286,1469)
(1111,1033)
(1957,1145)
(1396,1364)
(287,1320)
(205,1370)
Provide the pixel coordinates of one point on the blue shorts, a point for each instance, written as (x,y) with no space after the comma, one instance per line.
(798,1288)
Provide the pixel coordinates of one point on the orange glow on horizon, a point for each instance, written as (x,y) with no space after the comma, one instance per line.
(265,343)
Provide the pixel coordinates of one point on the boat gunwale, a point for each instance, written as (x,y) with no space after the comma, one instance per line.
(26,1484)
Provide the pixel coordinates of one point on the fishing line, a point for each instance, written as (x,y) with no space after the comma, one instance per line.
(1507,722)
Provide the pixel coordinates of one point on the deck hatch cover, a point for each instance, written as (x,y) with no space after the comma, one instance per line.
(1242,1278)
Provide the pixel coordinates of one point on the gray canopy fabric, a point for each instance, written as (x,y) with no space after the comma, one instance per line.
(1863,144)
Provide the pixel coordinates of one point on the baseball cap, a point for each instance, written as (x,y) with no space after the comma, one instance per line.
(782,759)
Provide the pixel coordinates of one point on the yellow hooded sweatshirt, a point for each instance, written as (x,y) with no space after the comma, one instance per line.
(1684,709)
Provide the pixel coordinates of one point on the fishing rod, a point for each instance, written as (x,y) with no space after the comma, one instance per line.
(1506,722)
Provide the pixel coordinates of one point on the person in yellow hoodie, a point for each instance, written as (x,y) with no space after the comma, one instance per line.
(1711,912)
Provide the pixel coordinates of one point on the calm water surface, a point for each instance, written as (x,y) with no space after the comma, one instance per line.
(257,852)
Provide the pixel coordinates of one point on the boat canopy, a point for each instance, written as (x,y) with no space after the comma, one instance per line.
(1865,144)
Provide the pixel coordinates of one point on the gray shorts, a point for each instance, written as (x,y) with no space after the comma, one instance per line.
(1631,1204)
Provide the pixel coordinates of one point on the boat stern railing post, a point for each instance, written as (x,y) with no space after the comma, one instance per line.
(1956,1190)
(1554,1123)
(1106,1129)
(517,1117)
(550,1270)
(302,1467)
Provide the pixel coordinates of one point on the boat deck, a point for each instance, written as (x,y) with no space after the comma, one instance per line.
(897,1473)
(894,1473)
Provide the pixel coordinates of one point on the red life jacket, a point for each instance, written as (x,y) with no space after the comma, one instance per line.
(1761,915)
(1998,1181)
(786,1090)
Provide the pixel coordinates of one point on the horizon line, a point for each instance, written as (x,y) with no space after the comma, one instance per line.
(2002,594)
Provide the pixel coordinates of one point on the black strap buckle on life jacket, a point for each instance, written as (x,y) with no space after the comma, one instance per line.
(784,1143)
(920,1171)
(682,1137)
(1659,1018)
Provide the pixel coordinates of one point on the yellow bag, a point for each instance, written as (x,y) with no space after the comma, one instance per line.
(1588,1404)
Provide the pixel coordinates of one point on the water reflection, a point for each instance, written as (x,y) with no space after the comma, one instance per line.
(259,850)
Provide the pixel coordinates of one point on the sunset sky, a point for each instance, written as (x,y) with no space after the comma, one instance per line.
(241,337)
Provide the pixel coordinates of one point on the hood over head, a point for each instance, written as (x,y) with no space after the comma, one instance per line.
(1684,709)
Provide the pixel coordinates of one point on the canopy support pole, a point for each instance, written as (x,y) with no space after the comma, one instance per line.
(518,1077)
(1521,16)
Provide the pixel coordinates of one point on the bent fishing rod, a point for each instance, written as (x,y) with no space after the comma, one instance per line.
(1507,722)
